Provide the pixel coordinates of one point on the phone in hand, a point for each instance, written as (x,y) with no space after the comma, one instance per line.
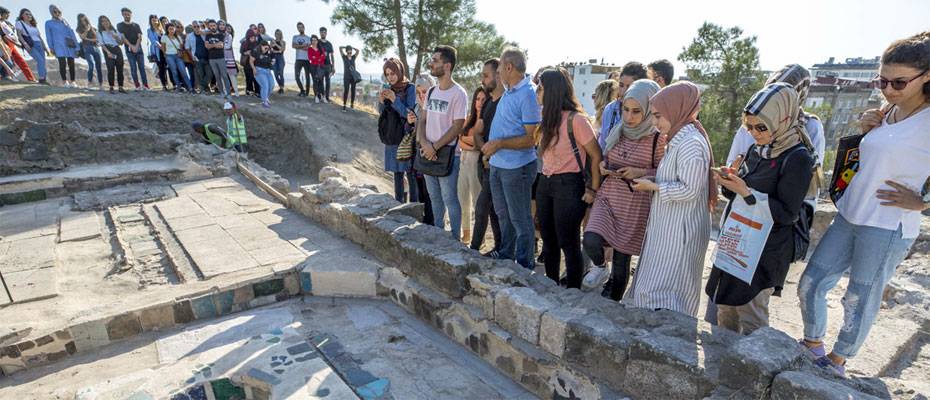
(385,86)
(723,172)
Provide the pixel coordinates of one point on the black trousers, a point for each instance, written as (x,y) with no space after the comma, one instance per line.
(114,66)
(163,74)
(251,85)
(66,62)
(349,87)
(317,72)
(484,211)
(594,245)
(560,211)
(303,65)
(325,80)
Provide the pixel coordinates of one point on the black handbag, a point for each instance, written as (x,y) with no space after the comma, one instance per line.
(440,167)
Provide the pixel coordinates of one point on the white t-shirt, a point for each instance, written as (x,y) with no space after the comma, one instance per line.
(897,152)
(300,40)
(444,107)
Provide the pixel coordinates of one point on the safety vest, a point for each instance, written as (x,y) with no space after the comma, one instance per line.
(216,138)
(235,128)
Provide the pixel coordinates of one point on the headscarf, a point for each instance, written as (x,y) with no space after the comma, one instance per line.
(798,78)
(777,106)
(641,90)
(397,67)
(679,103)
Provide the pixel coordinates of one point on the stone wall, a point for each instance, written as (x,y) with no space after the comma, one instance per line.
(558,343)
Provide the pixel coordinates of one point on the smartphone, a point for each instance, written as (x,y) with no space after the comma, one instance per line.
(385,85)
(721,172)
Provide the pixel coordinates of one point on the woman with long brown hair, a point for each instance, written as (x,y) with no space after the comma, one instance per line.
(469,185)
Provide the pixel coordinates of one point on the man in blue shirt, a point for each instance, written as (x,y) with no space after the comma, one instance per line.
(513,158)
(631,72)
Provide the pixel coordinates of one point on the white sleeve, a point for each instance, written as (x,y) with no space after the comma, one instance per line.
(815,131)
(741,142)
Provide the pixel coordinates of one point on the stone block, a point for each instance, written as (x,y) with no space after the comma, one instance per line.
(262,301)
(665,366)
(350,276)
(597,347)
(243,295)
(90,335)
(123,326)
(268,287)
(413,210)
(224,301)
(157,317)
(520,310)
(426,303)
(754,361)
(794,385)
(183,313)
(553,328)
(11,360)
(204,307)
(292,283)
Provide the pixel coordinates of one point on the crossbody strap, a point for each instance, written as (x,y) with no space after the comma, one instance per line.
(577,153)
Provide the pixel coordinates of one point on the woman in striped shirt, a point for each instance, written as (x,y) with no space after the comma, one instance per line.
(669,272)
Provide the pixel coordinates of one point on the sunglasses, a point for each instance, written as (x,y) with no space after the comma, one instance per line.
(897,84)
(761,128)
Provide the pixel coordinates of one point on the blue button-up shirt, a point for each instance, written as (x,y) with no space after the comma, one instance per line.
(56,33)
(516,109)
(609,119)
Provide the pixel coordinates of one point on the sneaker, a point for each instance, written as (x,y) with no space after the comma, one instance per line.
(121,90)
(343,108)
(814,353)
(317,100)
(281,91)
(826,364)
(595,278)
(493,254)
(266,104)
(112,91)
(146,88)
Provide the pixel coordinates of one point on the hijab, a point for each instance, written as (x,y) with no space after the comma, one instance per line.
(777,106)
(641,91)
(679,103)
(395,66)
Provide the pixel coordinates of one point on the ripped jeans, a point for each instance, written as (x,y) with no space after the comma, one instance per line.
(871,256)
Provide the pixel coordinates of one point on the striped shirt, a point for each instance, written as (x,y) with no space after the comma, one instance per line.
(672,261)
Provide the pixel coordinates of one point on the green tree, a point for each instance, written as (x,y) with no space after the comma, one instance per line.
(411,28)
(726,64)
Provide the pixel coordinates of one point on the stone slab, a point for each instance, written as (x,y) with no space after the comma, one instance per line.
(218,257)
(520,310)
(178,207)
(76,227)
(33,284)
(350,276)
(280,253)
(216,204)
(794,385)
(157,317)
(190,222)
(29,254)
(241,326)
(254,238)
(90,335)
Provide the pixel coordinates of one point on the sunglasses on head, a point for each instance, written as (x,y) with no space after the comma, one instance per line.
(897,84)
(761,128)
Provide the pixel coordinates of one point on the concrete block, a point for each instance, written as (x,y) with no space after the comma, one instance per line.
(351,276)
(123,326)
(793,385)
(754,361)
(157,317)
(90,335)
(520,310)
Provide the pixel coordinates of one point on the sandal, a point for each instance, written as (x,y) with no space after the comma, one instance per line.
(828,365)
(814,353)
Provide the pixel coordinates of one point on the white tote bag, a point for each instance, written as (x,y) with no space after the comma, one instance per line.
(743,233)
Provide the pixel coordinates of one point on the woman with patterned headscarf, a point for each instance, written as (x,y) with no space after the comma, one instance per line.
(779,164)
(400,97)
(678,231)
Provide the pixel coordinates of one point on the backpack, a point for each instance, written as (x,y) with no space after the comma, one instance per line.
(391,124)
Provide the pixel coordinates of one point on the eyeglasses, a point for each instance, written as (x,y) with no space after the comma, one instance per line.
(761,128)
(897,84)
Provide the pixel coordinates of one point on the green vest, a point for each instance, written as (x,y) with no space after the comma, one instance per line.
(235,128)
(215,138)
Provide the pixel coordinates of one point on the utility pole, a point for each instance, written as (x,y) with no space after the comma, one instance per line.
(221,4)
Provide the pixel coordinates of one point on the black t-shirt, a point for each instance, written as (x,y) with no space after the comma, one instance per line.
(348,64)
(487,115)
(131,31)
(327,47)
(263,60)
(214,38)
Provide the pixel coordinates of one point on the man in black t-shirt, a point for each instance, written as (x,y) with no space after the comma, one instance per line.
(328,62)
(215,41)
(484,208)
(132,39)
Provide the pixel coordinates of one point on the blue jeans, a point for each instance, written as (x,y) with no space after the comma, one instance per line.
(178,70)
(511,192)
(265,82)
(279,69)
(871,256)
(38,53)
(92,55)
(137,67)
(444,195)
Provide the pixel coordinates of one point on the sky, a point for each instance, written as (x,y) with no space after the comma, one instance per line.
(788,31)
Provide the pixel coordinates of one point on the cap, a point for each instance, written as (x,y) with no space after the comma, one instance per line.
(227,106)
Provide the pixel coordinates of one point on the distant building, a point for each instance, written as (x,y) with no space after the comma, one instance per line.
(847,98)
(585,77)
(857,69)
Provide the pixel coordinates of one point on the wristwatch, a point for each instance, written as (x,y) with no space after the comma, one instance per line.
(750,199)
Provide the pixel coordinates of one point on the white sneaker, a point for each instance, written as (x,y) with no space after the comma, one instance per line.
(595,278)
(317,100)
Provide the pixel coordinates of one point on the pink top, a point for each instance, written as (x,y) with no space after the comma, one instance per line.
(559,158)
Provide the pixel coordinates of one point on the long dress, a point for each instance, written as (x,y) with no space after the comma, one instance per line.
(677,235)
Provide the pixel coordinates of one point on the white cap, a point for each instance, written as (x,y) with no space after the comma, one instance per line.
(227,106)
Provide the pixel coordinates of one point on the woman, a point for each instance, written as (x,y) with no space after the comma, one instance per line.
(171,45)
(277,48)
(878,216)
(10,39)
(262,62)
(349,55)
(563,195)
(89,47)
(245,54)
(618,216)
(232,69)
(669,272)
(779,165)
(401,96)
(110,41)
(63,44)
(469,185)
(605,92)
(317,58)
(418,190)
(31,39)
(156,54)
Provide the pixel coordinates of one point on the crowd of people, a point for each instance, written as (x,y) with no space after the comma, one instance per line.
(640,179)
(198,57)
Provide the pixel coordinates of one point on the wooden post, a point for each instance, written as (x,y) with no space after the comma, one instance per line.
(221,4)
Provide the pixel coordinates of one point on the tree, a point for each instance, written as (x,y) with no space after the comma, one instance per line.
(727,65)
(411,28)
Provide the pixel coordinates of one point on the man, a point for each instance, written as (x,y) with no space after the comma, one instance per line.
(198,47)
(300,43)
(132,41)
(630,72)
(484,205)
(513,158)
(328,63)
(215,42)
(210,134)
(661,71)
(446,108)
